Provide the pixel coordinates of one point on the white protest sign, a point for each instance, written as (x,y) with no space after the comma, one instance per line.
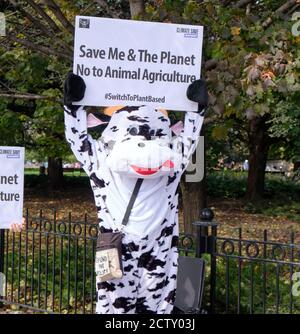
(125,62)
(11,185)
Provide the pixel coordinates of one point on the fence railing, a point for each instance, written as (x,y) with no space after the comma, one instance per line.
(49,267)
(250,276)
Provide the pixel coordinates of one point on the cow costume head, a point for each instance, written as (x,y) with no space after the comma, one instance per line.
(138,141)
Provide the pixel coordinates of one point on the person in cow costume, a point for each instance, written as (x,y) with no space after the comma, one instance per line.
(137,143)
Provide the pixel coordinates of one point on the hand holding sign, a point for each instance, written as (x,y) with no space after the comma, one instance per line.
(18,227)
(197,92)
(74,89)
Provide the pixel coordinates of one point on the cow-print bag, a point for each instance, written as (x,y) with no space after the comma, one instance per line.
(108,262)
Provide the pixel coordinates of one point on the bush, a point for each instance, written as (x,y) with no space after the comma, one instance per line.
(226,184)
(42,181)
(229,184)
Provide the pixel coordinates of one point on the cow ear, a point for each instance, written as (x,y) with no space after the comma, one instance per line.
(97,121)
(177,128)
(176,122)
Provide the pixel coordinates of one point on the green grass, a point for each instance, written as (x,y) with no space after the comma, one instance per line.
(291,210)
(282,197)
(255,297)
(57,273)
(35,171)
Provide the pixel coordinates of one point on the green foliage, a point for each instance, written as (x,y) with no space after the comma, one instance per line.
(253,72)
(288,209)
(48,125)
(10,128)
(232,184)
(35,181)
(251,287)
(285,124)
(226,184)
(37,125)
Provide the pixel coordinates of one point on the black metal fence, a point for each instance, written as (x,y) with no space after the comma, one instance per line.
(49,267)
(250,276)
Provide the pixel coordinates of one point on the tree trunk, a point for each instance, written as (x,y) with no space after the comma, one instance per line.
(193,200)
(55,173)
(137,7)
(258,146)
(194,196)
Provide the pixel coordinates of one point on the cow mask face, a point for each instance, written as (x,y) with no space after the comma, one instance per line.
(138,140)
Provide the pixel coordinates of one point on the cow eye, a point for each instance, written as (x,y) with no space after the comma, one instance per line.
(110,144)
(133,130)
(152,133)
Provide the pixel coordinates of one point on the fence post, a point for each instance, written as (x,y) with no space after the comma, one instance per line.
(2,235)
(206,244)
(213,268)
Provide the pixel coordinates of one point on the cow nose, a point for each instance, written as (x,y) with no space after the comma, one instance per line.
(141,145)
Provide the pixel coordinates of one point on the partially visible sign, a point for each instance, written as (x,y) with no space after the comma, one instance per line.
(126,62)
(102,263)
(11,185)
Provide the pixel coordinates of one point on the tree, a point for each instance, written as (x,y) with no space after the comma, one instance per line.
(252,55)
(194,197)
(35,57)
(250,63)
(137,7)
(249,56)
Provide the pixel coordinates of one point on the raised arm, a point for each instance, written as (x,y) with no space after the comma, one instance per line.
(82,144)
(188,139)
(190,134)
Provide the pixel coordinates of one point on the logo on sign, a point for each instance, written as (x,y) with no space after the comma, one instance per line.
(84,23)
(188,32)
(11,154)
